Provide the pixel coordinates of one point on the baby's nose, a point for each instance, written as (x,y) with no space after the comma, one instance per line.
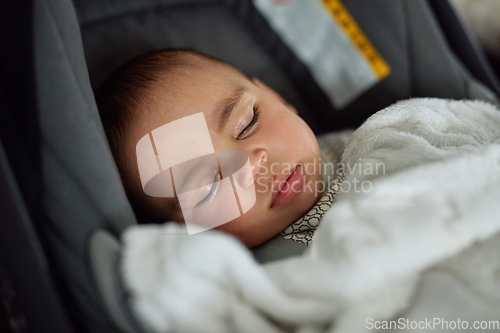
(248,170)
(258,160)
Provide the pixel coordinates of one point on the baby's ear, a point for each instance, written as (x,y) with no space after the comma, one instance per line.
(273,93)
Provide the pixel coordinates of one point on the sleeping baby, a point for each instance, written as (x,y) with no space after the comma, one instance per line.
(425,218)
(241,114)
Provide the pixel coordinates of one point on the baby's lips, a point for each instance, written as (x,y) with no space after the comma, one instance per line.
(279,181)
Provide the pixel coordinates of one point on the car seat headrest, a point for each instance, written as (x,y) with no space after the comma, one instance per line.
(82,190)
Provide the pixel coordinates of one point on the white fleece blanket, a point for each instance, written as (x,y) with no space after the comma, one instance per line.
(434,199)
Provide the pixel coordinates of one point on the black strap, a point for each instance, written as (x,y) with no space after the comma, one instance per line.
(29,301)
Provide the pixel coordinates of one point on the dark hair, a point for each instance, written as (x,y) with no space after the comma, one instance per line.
(119,100)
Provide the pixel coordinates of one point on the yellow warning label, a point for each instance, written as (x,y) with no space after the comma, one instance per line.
(357,37)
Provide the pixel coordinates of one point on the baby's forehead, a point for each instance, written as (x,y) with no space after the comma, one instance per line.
(201,67)
(194,91)
(210,82)
(198,85)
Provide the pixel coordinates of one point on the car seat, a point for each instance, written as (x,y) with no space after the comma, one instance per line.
(62,205)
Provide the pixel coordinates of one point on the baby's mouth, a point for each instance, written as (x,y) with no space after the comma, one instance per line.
(287,185)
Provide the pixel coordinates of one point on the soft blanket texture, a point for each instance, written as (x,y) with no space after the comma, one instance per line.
(419,240)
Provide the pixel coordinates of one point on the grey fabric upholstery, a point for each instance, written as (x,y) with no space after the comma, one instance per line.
(276,249)
(104,257)
(81,187)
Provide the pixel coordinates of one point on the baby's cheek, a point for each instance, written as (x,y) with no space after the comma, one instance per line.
(301,138)
(256,226)
(285,127)
(245,227)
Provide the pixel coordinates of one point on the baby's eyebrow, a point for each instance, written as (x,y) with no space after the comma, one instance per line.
(228,106)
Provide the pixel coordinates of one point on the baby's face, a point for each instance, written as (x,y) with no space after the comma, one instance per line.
(280,145)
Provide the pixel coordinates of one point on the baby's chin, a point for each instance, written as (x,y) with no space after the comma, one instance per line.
(255,228)
(315,192)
